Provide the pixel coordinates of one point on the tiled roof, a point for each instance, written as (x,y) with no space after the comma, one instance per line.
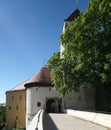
(42,77)
(19,87)
(73,16)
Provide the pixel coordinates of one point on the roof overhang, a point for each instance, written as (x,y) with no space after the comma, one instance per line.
(39,84)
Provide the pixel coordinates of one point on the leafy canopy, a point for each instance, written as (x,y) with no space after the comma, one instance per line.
(2,114)
(87,55)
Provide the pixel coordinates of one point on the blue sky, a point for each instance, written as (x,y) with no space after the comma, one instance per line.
(29,34)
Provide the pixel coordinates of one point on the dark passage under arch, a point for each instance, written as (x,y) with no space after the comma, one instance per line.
(51,106)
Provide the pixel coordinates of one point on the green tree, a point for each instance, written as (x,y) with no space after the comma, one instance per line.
(2,114)
(57,72)
(87,55)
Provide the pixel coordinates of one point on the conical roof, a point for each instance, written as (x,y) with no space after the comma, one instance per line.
(43,75)
(73,16)
(42,78)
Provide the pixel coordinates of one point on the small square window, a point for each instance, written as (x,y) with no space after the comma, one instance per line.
(38,104)
(9,107)
(16,118)
(79,98)
(49,89)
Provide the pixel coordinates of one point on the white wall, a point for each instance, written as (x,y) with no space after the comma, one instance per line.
(63,30)
(35,95)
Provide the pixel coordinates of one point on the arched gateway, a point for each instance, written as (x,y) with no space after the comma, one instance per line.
(40,94)
(53,105)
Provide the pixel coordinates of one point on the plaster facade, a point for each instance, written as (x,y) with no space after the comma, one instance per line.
(37,98)
(15,109)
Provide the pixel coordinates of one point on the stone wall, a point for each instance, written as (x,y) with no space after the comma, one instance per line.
(82,100)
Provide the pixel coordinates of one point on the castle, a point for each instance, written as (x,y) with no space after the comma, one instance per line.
(25,100)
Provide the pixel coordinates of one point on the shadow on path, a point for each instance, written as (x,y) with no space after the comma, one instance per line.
(48,124)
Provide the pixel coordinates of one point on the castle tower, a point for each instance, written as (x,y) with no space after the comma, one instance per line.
(67,21)
(39,94)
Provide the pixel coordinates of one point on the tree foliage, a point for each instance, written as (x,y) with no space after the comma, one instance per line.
(87,55)
(2,114)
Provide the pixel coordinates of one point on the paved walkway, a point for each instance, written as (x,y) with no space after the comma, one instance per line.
(65,122)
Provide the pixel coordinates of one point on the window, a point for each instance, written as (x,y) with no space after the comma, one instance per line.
(25,106)
(12,98)
(20,97)
(16,118)
(79,98)
(38,104)
(16,107)
(49,89)
(9,107)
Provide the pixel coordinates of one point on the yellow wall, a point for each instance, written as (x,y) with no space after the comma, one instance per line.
(14,99)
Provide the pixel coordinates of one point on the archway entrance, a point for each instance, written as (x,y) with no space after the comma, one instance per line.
(52,105)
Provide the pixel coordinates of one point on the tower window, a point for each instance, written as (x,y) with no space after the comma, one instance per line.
(38,104)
